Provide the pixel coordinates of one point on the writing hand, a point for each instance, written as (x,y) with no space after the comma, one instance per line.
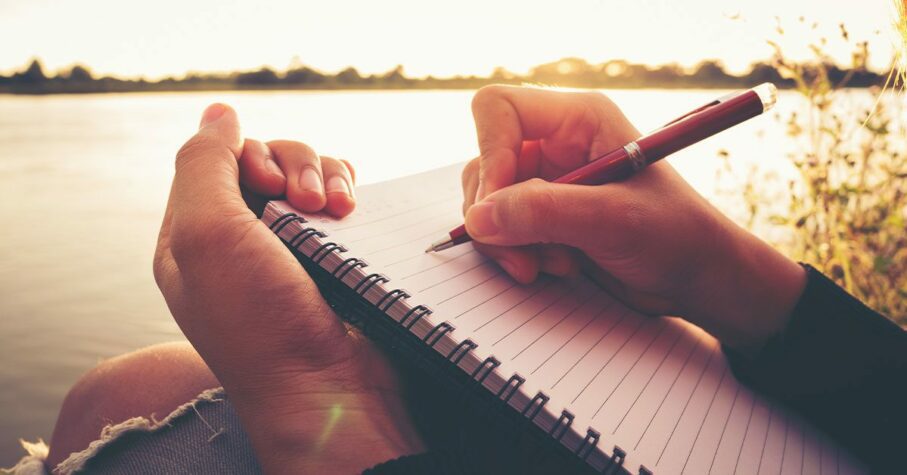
(651,240)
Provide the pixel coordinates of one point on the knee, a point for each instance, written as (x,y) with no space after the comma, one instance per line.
(150,382)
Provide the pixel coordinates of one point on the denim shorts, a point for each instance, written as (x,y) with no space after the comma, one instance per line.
(201,436)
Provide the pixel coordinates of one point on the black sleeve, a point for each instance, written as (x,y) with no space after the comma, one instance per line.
(843,367)
(434,462)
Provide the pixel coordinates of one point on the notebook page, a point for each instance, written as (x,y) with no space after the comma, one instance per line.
(658,388)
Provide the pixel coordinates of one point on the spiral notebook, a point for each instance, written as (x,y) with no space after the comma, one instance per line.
(619,391)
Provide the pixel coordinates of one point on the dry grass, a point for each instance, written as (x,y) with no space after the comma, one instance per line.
(846,211)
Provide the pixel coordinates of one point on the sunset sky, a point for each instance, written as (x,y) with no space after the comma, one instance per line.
(170,37)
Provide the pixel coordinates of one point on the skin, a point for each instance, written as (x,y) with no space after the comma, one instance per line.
(652,241)
(288,362)
(312,396)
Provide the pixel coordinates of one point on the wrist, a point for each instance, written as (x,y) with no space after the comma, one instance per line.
(745,291)
(313,421)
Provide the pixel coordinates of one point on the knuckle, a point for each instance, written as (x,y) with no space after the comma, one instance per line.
(469,171)
(535,209)
(486,94)
(195,148)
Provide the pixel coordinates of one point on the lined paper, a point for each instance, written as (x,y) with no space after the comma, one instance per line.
(659,388)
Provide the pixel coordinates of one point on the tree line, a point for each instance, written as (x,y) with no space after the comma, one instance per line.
(567,72)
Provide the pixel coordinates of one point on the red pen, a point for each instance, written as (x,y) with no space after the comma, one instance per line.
(716,116)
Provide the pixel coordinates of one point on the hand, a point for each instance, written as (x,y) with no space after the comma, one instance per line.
(651,240)
(312,396)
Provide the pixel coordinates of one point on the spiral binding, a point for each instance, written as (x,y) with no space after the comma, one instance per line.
(391,298)
(563,423)
(588,444)
(510,387)
(437,332)
(535,405)
(460,351)
(350,264)
(326,249)
(416,313)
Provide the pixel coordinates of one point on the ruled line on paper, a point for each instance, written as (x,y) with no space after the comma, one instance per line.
(771,415)
(723,429)
(395,230)
(604,335)
(648,381)
(563,345)
(483,302)
(555,325)
(624,377)
(424,236)
(704,417)
(603,366)
(425,269)
(451,277)
(665,397)
(745,432)
(445,200)
(499,315)
(536,314)
(686,405)
(492,276)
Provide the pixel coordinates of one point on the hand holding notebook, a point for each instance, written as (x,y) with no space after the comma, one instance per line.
(289,364)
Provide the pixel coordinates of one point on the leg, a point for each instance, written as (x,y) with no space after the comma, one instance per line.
(149,382)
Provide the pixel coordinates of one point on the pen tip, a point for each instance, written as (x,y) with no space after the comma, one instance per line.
(440,245)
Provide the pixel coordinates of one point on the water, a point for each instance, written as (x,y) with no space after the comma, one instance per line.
(83,183)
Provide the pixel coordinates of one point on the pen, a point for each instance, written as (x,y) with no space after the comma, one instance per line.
(705,121)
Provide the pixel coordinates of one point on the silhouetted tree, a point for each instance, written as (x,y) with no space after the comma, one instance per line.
(79,73)
(304,75)
(711,72)
(264,76)
(348,76)
(33,74)
(395,75)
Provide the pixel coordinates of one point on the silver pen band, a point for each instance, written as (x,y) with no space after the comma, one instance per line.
(637,158)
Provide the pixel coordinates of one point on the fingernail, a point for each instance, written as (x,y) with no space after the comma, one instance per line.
(481,220)
(337,184)
(212,113)
(310,181)
(270,165)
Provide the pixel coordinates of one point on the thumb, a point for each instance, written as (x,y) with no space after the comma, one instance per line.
(537,211)
(206,166)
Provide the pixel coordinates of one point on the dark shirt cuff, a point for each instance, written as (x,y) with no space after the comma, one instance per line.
(841,365)
(436,462)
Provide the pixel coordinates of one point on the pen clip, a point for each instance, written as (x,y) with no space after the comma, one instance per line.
(704,107)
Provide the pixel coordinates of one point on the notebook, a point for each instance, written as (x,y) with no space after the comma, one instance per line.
(617,390)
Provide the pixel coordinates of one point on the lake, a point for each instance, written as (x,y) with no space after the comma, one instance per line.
(84,179)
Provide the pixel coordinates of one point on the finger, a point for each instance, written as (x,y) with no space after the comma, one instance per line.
(205,189)
(469,180)
(338,187)
(352,170)
(520,262)
(259,172)
(537,211)
(505,116)
(557,259)
(302,167)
